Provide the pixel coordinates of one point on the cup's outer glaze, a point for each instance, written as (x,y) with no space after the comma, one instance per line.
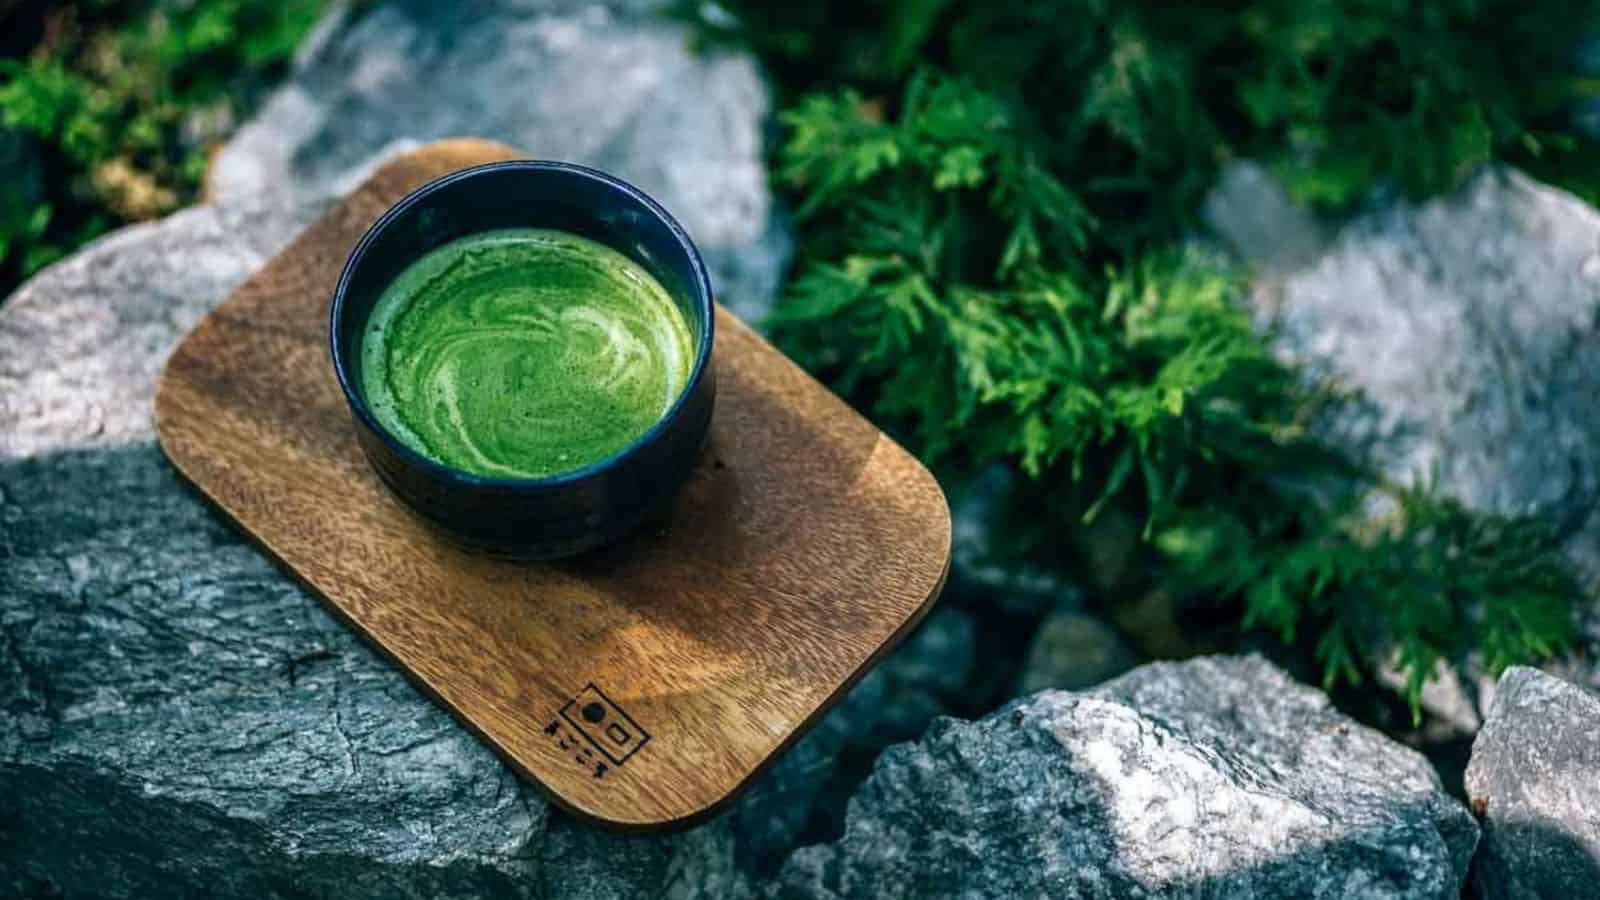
(576,511)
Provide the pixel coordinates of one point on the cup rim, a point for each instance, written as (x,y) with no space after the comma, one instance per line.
(358,403)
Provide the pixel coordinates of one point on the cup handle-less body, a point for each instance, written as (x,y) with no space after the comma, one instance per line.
(536,518)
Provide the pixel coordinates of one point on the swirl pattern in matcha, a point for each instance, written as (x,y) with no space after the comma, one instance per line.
(523,353)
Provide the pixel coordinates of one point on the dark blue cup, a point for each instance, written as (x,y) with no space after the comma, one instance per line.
(534,518)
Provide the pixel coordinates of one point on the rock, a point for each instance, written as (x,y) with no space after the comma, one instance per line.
(1454,696)
(1153,622)
(983,540)
(1467,323)
(181,717)
(1110,547)
(1072,651)
(1468,326)
(607,85)
(81,344)
(1218,777)
(1586,118)
(1534,780)
(177,714)
(1253,213)
(918,681)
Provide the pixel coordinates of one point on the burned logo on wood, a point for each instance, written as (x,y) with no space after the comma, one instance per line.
(596,731)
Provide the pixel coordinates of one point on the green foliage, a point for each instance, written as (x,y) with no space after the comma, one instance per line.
(992,198)
(118,103)
(1142,99)
(1426,579)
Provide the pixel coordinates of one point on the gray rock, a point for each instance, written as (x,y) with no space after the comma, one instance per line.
(1219,777)
(983,542)
(179,718)
(1253,213)
(917,682)
(1072,651)
(81,344)
(1586,117)
(1534,779)
(1454,696)
(608,85)
(1467,323)
(182,720)
(1468,326)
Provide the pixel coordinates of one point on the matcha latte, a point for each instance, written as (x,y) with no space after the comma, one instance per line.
(523,353)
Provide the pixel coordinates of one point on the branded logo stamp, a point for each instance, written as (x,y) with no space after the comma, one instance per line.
(596,731)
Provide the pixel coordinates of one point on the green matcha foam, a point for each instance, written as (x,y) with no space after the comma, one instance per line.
(523,353)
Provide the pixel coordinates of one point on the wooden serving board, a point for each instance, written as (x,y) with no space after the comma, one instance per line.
(641,685)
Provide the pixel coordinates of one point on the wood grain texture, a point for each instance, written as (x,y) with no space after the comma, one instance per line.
(804,546)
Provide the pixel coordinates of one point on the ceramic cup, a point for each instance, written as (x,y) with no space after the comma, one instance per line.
(535,518)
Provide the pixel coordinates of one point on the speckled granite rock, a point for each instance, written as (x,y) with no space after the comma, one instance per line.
(182,720)
(1219,777)
(1468,323)
(1534,779)
(607,85)
(81,344)
(1471,326)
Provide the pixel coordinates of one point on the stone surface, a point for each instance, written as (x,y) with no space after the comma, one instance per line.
(1253,213)
(919,681)
(1468,324)
(175,708)
(1073,650)
(81,344)
(983,561)
(607,85)
(1219,777)
(1534,779)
